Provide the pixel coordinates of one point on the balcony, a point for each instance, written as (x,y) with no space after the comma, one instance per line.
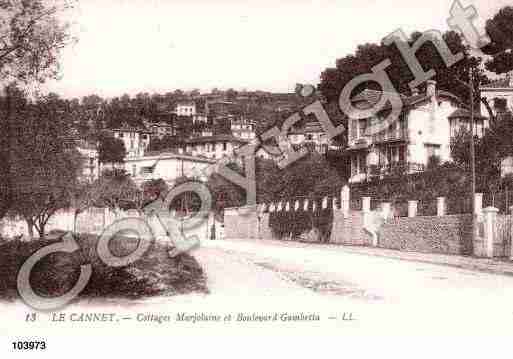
(360,143)
(400,135)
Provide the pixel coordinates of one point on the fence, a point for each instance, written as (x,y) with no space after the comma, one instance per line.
(441,225)
(96,220)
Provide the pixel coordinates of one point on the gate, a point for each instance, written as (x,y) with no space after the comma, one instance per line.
(502,244)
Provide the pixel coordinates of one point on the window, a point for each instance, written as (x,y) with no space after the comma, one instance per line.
(362,127)
(362,164)
(354,129)
(500,104)
(224,146)
(120,134)
(134,170)
(354,166)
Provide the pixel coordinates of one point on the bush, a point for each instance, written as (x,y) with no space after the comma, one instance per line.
(154,274)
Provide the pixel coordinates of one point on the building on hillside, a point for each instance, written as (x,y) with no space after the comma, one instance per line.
(91,161)
(243,129)
(311,136)
(186,108)
(167,166)
(499,95)
(214,147)
(200,117)
(421,131)
(136,139)
(161,129)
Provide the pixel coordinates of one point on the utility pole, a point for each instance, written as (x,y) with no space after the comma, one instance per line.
(470,86)
(472,145)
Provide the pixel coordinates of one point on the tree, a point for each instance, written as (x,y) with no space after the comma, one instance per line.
(165,143)
(366,56)
(44,164)
(32,37)
(111,150)
(231,94)
(115,190)
(500,31)
(154,189)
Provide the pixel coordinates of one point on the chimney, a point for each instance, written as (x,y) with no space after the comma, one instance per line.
(431,89)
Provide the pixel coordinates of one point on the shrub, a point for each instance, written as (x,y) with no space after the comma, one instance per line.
(154,274)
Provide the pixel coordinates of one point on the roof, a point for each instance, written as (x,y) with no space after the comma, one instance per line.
(372,97)
(167,154)
(463,113)
(310,127)
(216,138)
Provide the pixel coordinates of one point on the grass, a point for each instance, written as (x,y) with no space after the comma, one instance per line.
(154,274)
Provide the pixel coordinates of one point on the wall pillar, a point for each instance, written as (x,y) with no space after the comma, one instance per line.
(386,209)
(325,203)
(511,229)
(490,219)
(305,205)
(440,206)
(366,204)
(412,208)
(478,204)
(345,201)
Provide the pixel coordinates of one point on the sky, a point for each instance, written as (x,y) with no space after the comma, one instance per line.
(132,46)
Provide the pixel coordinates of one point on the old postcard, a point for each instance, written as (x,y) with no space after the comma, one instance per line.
(256,178)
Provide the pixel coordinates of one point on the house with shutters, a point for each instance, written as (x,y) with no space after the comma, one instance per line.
(406,144)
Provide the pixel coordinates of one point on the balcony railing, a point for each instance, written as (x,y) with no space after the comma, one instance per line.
(398,168)
(390,136)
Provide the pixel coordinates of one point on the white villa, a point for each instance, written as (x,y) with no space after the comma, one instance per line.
(165,165)
(243,129)
(423,129)
(187,108)
(213,147)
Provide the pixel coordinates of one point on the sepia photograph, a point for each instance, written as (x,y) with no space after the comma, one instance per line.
(242,178)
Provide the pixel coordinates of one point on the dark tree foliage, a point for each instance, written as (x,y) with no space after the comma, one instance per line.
(111,150)
(500,31)
(366,56)
(44,163)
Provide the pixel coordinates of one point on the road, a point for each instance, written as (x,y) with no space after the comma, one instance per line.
(349,293)
(385,292)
